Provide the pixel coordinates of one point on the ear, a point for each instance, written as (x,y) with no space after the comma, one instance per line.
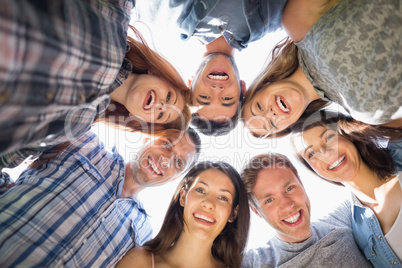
(243,87)
(150,72)
(233,217)
(255,211)
(189,81)
(182,197)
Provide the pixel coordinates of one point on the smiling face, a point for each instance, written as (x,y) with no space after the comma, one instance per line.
(283,203)
(216,87)
(275,107)
(160,161)
(153,100)
(329,154)
(208,204)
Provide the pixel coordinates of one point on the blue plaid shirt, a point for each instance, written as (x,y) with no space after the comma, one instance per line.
(59,61)
(68,212)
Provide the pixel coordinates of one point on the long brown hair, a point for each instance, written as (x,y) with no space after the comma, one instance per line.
(229,245)
(281,64)
(145,60)
(365,137)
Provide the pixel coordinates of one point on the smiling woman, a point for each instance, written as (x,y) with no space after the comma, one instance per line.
(207,222)
(154,96)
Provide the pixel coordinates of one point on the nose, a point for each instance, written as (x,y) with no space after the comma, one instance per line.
(287,203)
(270,112)
(167,159)
(217,87)
(208,204)
(161,107)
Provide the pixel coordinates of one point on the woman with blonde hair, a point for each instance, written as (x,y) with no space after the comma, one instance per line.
(206,224)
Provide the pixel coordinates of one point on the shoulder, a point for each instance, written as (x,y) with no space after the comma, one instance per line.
(300,15)
(138,255)
(259,256)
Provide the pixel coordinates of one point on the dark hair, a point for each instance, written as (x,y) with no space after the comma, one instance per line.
(281,64)
(364,137)
(229,245)
(250,171)
(212,127)
(145,60)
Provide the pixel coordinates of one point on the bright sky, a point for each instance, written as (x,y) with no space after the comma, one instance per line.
(236,148)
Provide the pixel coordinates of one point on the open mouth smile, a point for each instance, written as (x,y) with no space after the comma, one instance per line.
(337,162)
(150,100)
(204,218)
(282,105)
(154,167)
(294,218)
(218,76)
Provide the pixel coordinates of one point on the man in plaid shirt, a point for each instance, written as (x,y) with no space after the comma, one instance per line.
(79,208)
(57,55)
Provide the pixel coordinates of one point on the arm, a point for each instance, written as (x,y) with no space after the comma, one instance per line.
(138,255)
(300,15)
(341,216)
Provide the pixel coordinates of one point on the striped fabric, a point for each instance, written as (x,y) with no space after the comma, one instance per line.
(67,212)
(59,61)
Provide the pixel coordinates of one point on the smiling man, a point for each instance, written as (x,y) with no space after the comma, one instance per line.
(77,205)
(222,26)
(276,194)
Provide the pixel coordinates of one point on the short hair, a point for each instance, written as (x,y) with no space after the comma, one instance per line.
(365,138)
(212,127)
(229,245)
(256,164)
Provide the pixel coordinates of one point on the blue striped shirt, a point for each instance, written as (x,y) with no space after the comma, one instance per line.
(68,212)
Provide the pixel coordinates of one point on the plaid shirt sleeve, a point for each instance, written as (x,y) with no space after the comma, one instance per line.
(69,213)
(57,56)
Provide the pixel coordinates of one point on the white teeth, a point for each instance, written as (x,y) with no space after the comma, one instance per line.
(337,162)
(151,102)
(280,104)
(154,167)
(293,219)
(218,77)
(202,217)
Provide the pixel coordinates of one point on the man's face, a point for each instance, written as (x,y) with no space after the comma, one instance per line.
(283,203)
(162,160)
(216,88)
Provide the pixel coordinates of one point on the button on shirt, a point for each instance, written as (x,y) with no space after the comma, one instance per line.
(68,212)
(370,238)
(59,60)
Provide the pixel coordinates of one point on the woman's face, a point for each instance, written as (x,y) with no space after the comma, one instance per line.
(275,107)
(153,100)
(208,204)
(330,155)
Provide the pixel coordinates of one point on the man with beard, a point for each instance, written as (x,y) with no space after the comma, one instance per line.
(77,205)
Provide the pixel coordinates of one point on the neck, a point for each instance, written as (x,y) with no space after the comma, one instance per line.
(219,45)
(367,186)
(120,93)
(130,187)
(192,251)
(300,78)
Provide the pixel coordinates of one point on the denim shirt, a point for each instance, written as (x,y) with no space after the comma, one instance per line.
(263,16)
(370,238)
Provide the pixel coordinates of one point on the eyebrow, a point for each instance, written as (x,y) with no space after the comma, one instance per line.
(203,103)
(228,104)
(181,157)
(308,147)
(222,190)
